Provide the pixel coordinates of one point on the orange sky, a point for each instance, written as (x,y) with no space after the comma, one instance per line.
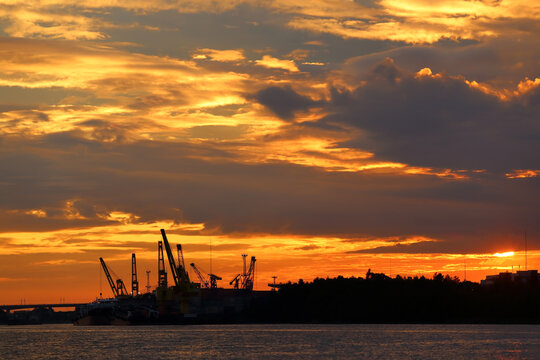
(324,137)
(54,272)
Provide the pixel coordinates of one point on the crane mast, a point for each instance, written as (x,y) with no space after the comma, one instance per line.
(148,287)
(162,274)
(134,281)
(109,278)
(174,269)
(244,256)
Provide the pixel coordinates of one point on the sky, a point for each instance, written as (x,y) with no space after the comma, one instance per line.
(324,137)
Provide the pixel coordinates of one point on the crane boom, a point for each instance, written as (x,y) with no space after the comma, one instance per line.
(207,280)
(109,278)
(174,269)
(235,281)
(203,280)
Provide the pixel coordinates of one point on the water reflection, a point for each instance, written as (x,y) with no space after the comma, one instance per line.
(273,342)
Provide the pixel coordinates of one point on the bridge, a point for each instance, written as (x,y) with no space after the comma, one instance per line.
(36,306)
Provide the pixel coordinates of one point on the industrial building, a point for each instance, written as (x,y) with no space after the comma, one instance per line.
(519,277)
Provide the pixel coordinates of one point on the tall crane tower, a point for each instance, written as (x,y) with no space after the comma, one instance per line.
(162,274)
(134,281)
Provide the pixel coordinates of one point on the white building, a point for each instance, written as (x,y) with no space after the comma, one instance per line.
(522,277)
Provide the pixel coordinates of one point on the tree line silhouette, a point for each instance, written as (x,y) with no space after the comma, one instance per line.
(378,298)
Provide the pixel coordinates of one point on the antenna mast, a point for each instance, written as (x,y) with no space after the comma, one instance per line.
(244,274)
(134,281)
(525,238)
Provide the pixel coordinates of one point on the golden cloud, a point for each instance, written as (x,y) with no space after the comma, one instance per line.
(522,174)
(125,87)
(275,63)
(421,21)
(415,21)
(219,55)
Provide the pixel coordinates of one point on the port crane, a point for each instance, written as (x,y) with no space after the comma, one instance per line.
(208,281)
(172,263)
(118,289)
(245,280)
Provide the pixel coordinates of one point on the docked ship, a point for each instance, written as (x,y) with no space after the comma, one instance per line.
(98,312)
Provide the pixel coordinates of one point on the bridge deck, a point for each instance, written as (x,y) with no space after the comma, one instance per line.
(34,306)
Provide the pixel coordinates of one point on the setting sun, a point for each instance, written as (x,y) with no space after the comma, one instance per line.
(504,254)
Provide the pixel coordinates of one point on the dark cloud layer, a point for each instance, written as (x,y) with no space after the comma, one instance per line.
(161,180)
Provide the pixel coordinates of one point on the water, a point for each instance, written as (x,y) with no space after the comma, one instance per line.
(272,342)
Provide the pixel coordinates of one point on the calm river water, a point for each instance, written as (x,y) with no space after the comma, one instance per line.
(272,342)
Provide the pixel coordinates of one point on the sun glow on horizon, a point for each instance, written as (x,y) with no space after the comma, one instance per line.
(504,254)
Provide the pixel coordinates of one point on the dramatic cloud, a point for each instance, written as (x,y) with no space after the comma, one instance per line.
(437,120)
(70,180)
